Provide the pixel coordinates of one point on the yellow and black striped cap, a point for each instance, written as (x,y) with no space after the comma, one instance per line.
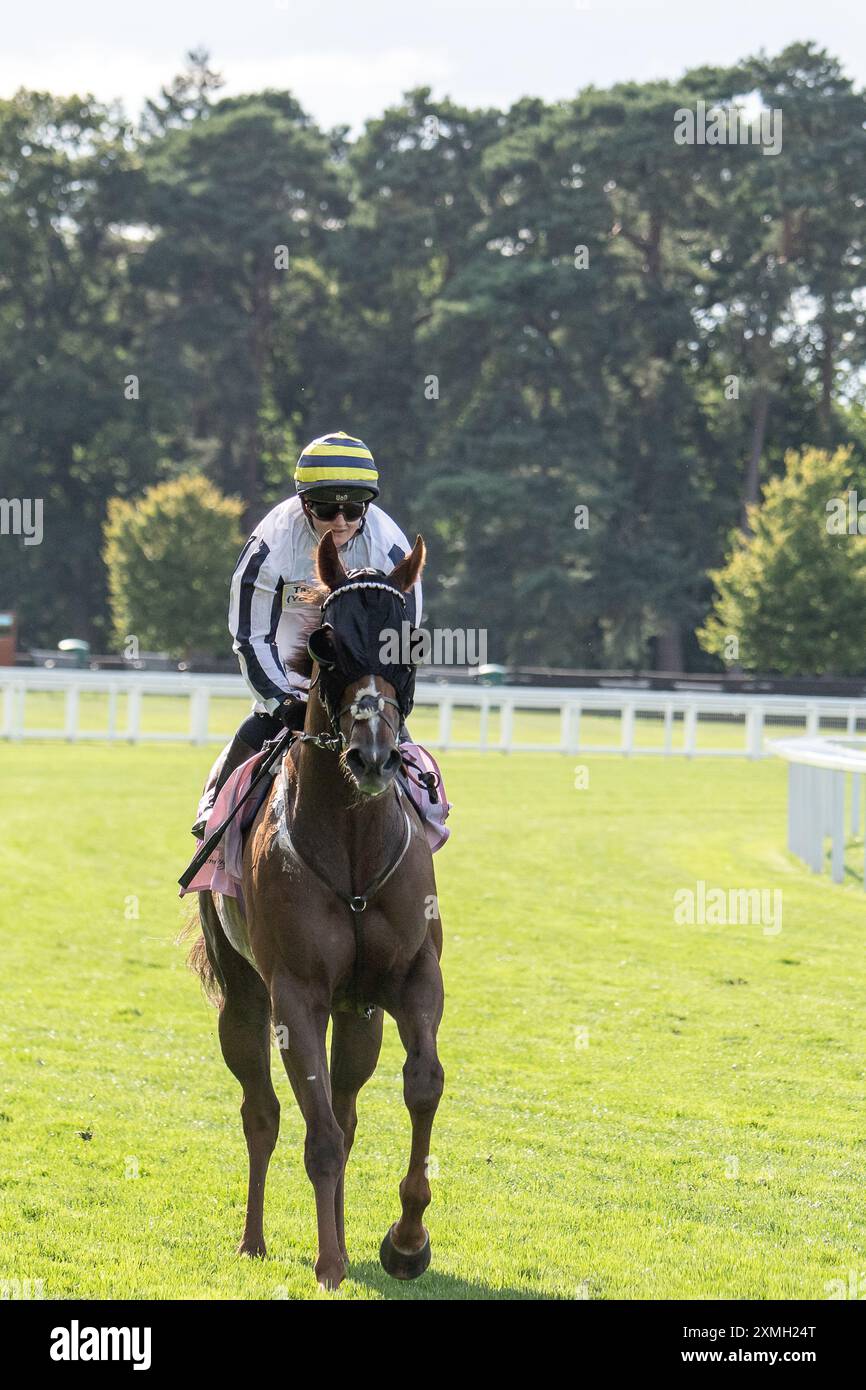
(337,461)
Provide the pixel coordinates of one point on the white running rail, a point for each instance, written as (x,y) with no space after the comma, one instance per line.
(678,716)
(818,770)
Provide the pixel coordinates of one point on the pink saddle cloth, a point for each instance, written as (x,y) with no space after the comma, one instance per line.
(223,870)
(433,813)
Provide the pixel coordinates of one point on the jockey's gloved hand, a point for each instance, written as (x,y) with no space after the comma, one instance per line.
(291,713)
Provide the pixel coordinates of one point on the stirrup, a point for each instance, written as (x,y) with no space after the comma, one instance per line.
(199,829)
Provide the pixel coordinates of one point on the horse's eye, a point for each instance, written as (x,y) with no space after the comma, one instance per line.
(320,646)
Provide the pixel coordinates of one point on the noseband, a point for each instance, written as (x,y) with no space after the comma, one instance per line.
(367,707)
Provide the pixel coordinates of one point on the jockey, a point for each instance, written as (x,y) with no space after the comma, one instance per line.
(336,481)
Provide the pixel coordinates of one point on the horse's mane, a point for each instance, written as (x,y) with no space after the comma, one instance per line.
(299,659)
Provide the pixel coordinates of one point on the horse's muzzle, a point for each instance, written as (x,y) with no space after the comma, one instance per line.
(373,769)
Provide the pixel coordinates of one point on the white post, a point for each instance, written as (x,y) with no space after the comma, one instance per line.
(133,714)
(812,713)
(755,731)
(199,709)
(855,803)
(837,798)
(16,723)
(112,712)
(445,724)
(816,809)
(71,729)
(8,697)
(483,722)
(810,793)
(802,812)
(691,722)
(627,729)
(506,725)
(570,727)
(669,728)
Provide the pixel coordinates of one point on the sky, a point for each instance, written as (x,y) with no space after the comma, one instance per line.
(348,60)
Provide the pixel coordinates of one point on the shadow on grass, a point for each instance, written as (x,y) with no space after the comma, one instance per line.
(853,866)
(433,1286)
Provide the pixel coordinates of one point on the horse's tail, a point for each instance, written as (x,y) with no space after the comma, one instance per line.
(198,958)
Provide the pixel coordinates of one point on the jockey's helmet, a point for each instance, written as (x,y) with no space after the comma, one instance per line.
(337,468)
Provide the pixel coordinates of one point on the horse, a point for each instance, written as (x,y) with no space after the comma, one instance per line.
(340,923)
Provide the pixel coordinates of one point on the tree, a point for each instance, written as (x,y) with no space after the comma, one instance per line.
(67,433)
(187,98)
(792,596)
(239,197)
(523,312)
(169,557)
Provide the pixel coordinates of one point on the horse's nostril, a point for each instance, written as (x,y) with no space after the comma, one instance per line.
(362,764)
(355,762)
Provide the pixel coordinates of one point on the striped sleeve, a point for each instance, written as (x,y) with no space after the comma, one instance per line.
(398,551)
(254,614)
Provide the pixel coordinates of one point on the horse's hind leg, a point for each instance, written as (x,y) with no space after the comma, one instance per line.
(405,1251)
(355,1046)
(245,1038)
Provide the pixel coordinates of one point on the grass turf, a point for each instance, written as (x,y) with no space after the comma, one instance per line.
(633,1108)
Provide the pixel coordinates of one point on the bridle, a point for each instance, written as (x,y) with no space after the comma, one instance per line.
(361,707)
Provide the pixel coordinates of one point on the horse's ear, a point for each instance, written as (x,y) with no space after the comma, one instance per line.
(404,574)
(329,566)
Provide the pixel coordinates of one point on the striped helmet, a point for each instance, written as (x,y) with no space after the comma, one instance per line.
(335,464)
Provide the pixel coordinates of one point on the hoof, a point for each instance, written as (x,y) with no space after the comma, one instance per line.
(254,1249)
(401,1264)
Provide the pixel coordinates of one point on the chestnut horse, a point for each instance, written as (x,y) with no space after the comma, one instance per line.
(341,922)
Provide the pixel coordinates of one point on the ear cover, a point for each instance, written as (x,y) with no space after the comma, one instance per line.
(351,647)
(320,645)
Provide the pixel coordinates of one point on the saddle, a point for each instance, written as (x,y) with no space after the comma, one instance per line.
(419,782)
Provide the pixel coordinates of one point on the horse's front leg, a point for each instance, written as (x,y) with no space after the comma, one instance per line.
(355,1046)
(405,1251)
(302,1023)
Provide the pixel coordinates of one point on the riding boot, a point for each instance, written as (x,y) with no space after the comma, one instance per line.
(237,752)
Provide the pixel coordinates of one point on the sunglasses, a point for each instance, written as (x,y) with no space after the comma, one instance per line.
(327,511)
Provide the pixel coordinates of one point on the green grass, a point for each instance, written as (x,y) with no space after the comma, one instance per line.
(708,1141)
